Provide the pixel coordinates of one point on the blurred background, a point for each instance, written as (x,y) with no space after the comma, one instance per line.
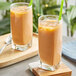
(41,7)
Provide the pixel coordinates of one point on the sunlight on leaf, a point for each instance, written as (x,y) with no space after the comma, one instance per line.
(71,12)
(5,5)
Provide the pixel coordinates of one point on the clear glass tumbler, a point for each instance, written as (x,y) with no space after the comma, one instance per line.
(21,25)
(50,41)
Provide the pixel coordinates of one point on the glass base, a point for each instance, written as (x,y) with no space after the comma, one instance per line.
(21,47)
(48,67)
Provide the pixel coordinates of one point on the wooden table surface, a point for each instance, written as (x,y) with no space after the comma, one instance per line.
(22,69)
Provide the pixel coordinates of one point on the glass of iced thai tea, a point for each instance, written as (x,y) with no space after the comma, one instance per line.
(21,20)
(50,41)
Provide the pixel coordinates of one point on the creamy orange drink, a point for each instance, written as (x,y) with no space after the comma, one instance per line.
(21,25)
(50,41)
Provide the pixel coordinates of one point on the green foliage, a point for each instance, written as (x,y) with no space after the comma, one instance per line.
(70,18)
(5,5)
(52,10)
(71,13)
(42,7)
(73,25)
(4,26)
(39,8)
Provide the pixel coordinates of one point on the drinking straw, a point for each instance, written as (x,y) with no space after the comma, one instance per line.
(61,8)
(31,1)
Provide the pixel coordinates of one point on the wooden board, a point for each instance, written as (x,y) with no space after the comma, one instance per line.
(63,70)
(10,56)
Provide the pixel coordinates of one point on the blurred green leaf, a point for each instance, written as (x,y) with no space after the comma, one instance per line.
(71,13)
(4,26)
(38,9)
(73,23)
(4,22)
(35,29)
(65,18)
(70,18)
(5,5)
(41,11)
(51,9)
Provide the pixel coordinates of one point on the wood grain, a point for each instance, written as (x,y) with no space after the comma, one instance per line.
(10,56)
(63,70)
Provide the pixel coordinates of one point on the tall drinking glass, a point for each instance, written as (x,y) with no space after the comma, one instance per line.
(21,25)
(50,41)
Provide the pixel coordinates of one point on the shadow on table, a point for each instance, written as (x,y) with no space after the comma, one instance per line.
(29,72)
(74,63)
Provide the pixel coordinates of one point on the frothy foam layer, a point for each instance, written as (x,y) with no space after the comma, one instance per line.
(19,9)
(48,23)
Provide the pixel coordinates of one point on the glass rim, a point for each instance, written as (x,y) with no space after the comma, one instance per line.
(21,3)
(46,16)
